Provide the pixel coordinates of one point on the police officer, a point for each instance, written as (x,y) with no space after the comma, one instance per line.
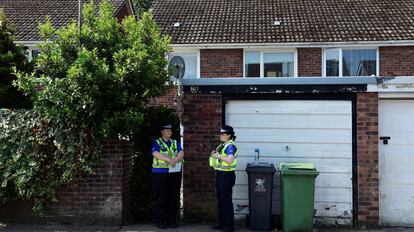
(166,177)
(224,161)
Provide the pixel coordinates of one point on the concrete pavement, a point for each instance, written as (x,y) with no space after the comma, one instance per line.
(151,228)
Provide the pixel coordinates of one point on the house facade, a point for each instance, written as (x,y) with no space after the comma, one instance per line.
(303,81)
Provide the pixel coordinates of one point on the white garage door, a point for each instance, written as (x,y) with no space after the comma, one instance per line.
(298,131)
(396,162)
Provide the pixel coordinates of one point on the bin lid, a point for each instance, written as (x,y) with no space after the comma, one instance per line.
(298,168)
(260,167)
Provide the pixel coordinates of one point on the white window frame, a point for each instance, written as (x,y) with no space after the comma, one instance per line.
(377,70)
(177,51)
(269,50)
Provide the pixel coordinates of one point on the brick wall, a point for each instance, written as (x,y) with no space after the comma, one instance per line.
(221,63)
(309,62)
(396,61)
(367,158)
(202,121)
(100,199)
(127,152)
(170,99)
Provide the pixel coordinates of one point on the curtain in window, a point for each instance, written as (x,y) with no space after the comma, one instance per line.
(359,62)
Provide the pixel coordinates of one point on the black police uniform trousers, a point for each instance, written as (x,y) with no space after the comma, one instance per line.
(166,188)
(224,189)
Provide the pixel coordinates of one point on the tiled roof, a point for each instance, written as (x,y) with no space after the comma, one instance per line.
(251,21)
(25,15)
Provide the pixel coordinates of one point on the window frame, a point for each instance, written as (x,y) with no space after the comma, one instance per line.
(340,49)
(30,50)
(178,51)
(262,51)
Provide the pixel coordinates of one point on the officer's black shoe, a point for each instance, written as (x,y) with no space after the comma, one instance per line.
(217,227)
(161,226)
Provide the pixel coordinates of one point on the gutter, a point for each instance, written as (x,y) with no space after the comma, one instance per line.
(281,81)
(298,44)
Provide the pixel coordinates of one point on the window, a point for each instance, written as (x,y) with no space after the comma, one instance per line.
(332,62)
(32,53)
(351,62)
(278,64)
(35,53)
(191,64)
(252,64)
(269,64)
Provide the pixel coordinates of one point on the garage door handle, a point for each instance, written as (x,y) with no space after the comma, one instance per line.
(385,139)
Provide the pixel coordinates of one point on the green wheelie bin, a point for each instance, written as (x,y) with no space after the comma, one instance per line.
(298,190)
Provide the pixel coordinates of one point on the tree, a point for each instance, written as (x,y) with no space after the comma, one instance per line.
(11,55)
(103,76)
(96,83)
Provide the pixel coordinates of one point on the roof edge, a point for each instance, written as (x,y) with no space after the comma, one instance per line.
(297,44)
(279,45)
(281,81)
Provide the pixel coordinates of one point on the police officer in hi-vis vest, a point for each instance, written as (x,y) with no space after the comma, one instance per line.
(166,177)
(224,161)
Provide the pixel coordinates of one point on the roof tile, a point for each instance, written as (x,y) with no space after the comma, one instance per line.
(25,15)
(251,21)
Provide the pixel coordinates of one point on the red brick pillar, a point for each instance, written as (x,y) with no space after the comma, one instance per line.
(367,158)
(202,121)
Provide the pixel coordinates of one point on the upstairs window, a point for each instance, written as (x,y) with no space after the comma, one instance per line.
(191,63)
(278,64)
(350,62)
(252,64)
(269,64)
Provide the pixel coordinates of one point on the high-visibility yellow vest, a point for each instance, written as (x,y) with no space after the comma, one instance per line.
(222,165)
(167,151)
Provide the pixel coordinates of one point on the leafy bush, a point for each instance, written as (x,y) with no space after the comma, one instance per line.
(33,164)
(95,84)
(141,6)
